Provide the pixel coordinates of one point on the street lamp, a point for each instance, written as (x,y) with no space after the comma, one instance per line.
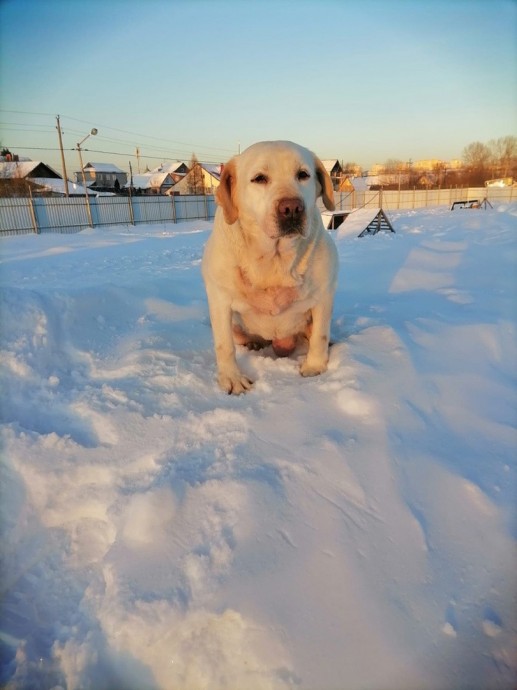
(78,146)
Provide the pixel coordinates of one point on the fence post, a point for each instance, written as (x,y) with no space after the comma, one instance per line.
(131,211)
(88,208)
(33,213)
(206,206)
(173,208)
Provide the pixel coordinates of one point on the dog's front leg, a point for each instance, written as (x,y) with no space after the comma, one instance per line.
(317,357)
(229,377)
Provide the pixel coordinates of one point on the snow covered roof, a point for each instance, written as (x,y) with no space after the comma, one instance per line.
(22,169)
(213,169)
(167,167)
(103,167)
(363,184)
(52,184)
(150,180)
(330,164)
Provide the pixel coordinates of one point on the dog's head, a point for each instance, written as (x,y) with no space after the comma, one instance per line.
(272,187)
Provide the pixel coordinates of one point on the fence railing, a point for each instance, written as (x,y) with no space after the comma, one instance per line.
(53,214)
(39,215)
(391,200)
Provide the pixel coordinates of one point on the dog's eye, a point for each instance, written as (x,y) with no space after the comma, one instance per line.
(302,175)
(260,179)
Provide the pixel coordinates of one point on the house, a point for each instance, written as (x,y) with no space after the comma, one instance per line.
(334,169)
(23,177)
(26,170)
(358,184)
(203,178)
(151,183)
(177,170)
(102,176)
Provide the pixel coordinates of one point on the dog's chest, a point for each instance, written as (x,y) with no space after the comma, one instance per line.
(272,294)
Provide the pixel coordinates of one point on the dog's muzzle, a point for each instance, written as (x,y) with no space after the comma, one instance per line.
(291,216)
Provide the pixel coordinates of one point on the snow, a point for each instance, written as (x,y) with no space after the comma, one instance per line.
(57,185)
(352,530)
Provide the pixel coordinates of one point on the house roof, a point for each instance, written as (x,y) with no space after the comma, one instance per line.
(150,180)
(329,165)
(363,184)
(22,169)
(51,184)
(103,167)
(213,169)
(167,167)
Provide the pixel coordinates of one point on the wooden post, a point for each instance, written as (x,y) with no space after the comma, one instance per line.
(63,164)
(173,209)
(131,210)
(33,213)
(130,199)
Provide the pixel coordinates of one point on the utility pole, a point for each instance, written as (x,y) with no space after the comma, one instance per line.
(138,159)
(65,176)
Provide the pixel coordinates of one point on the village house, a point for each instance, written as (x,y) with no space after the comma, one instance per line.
(151,183)
(177,170)
(334,169)
(203,178)
(23,177)
(102,176)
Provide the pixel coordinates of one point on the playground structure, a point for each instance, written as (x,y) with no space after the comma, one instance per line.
(360,222)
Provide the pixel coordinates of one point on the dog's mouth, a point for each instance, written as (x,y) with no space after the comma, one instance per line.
(288,227)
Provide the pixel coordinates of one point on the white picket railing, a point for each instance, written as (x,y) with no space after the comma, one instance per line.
(59,214)
(55,214)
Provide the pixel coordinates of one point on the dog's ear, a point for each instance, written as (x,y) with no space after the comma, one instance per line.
(327,190)
(225,192)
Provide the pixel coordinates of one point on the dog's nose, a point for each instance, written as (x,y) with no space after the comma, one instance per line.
(291,208)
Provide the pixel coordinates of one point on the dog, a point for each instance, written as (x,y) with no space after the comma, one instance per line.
(269,266)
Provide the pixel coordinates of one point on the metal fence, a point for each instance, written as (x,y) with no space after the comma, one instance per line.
(26,215)
(52,214)
(391,200)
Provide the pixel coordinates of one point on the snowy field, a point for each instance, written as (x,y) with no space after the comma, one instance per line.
(351,531)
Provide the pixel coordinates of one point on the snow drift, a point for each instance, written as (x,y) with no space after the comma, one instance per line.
(356,530)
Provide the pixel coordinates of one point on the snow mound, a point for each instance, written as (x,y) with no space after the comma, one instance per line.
(157,534)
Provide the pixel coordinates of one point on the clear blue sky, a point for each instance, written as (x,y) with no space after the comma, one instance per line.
(356,80)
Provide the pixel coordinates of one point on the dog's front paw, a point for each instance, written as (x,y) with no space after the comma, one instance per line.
(234,383)
(313,368)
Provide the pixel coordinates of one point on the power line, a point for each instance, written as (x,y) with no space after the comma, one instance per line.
(109,153)
(124,131)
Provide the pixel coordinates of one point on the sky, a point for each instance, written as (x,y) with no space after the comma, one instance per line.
(353,80)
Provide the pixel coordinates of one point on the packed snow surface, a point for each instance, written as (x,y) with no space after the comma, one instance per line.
(351,531)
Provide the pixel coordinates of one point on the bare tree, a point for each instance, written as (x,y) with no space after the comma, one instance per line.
(351,168)
(477,158)
(195,180)
(504,153)
(12,184)
(439,170)
(393,165)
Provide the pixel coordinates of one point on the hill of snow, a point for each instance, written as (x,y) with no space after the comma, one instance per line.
(355,530)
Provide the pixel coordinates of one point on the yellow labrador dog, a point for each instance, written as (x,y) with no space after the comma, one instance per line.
(269,266)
